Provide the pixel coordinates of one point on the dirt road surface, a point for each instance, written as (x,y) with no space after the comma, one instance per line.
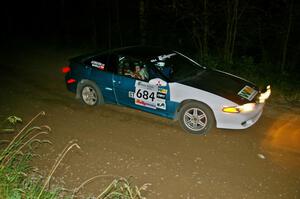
(260,162)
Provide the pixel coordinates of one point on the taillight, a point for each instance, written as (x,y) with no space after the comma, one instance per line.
(66,69)
(70,81)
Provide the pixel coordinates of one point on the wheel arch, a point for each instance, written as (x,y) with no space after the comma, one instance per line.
(184,102)
(82,82)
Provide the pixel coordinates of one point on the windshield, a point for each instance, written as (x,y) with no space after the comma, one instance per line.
(177,67)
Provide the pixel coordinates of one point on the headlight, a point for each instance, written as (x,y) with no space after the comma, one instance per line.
(263,96)
(239,109)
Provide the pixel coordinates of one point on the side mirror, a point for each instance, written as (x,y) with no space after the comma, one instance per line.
(158,82)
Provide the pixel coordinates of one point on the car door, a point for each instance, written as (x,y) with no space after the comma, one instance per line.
(124,88)
(123,84)
(147,95)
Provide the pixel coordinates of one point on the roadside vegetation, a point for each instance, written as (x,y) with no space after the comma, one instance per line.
(20,179)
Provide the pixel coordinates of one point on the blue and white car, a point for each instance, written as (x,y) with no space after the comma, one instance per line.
(169,84)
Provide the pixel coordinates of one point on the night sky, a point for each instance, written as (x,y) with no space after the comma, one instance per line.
(264,31)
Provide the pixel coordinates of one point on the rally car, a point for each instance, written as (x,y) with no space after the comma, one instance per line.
(166,83)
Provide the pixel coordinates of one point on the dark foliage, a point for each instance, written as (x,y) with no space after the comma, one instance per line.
(266,32)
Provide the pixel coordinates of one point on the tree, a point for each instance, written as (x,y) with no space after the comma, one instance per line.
(231,29)
(287,35)
(200,27)
(142,21)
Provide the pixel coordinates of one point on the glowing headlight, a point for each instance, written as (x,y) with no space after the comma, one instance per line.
(239,109)
(247,107)
(263,96)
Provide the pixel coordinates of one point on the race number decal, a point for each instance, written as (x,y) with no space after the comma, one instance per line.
(145,94)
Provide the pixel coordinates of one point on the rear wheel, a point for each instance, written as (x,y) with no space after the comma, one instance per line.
(196,118)
(90,94)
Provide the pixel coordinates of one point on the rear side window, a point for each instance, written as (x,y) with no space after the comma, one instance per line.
(99,62)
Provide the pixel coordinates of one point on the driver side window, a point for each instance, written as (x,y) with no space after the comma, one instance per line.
(132,67)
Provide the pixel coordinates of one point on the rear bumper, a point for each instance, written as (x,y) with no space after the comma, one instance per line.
(70,86)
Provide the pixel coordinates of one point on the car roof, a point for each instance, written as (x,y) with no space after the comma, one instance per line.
(143,51)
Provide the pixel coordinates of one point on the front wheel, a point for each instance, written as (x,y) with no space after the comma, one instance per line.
(196,118)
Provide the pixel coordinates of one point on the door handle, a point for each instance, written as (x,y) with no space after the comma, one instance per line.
(116,82)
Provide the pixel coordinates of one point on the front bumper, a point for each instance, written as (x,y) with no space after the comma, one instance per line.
(244,120)
(239,120)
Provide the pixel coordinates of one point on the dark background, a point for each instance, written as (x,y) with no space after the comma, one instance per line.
(257,36)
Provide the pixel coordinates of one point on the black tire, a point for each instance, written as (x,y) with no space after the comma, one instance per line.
(197,118)
(90,94)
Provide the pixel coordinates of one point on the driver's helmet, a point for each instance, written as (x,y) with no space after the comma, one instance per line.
(160,65)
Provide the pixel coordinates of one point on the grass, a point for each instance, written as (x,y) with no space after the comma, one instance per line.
(18,179)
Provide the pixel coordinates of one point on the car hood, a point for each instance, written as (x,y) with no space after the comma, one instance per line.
(224,84)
